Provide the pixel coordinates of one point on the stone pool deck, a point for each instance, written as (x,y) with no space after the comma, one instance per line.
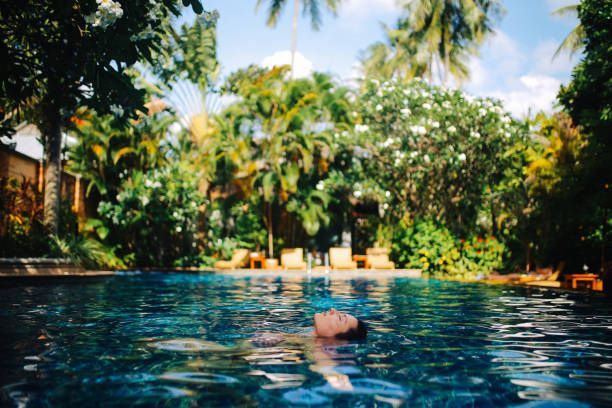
(44,267)
(47,267)
(321,273)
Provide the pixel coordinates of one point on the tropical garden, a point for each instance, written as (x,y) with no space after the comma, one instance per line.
(452,183)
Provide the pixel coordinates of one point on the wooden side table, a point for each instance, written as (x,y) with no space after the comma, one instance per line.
(257,258)
(571,281)
(271,263)
(361,258)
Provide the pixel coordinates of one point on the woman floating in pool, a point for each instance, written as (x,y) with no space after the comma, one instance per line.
(328,325)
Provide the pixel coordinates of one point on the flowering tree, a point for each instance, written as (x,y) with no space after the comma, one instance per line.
(61,55)
(435,152)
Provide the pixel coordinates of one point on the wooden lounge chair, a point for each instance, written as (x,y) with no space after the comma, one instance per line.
(293,258)
(240,259)
(341,258)
(550,282)
(378,258)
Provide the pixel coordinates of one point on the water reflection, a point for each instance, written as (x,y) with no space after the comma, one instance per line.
(153,339)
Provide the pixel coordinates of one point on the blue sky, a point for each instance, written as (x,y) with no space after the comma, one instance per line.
(514,65)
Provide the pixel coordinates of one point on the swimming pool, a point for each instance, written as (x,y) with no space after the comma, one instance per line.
(179,340)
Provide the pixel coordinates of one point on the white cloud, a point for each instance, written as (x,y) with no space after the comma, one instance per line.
(303,66)
(363,8)
(505,52)
(531,93)
(525,81)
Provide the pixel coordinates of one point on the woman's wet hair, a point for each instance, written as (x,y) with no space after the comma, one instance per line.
(358,333)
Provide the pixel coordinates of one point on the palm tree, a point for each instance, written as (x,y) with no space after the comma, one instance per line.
(396,57)
(574,41)
(277,144)
(311,7)
(442,34)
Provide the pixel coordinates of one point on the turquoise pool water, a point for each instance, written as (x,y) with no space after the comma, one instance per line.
(181,340)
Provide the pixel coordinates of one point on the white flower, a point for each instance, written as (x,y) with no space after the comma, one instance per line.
(405,111)
(144,200)
(354,114)
(157,184)
(379,94)
(387,194)
(482,112)
(397,162)
(357,193)
(406,92)
(446,105)
(426,159)
(107,13)
(426,106)
(506,119)
(179,229)
(435,124)
(385,206)
(361,128)
(175,214)
(414,154)
(379,107)
(419,130)
(462,157)
(320,185)
(451,129)
(475,135)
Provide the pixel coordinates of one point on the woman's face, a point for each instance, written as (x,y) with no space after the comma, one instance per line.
(333,322)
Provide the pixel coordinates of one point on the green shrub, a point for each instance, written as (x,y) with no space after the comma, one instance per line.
(431,247)
(154,217)
(425,245)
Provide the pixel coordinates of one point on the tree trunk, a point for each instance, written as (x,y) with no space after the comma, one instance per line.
(53,171)
(446,68)
(294,29)
(270,232)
